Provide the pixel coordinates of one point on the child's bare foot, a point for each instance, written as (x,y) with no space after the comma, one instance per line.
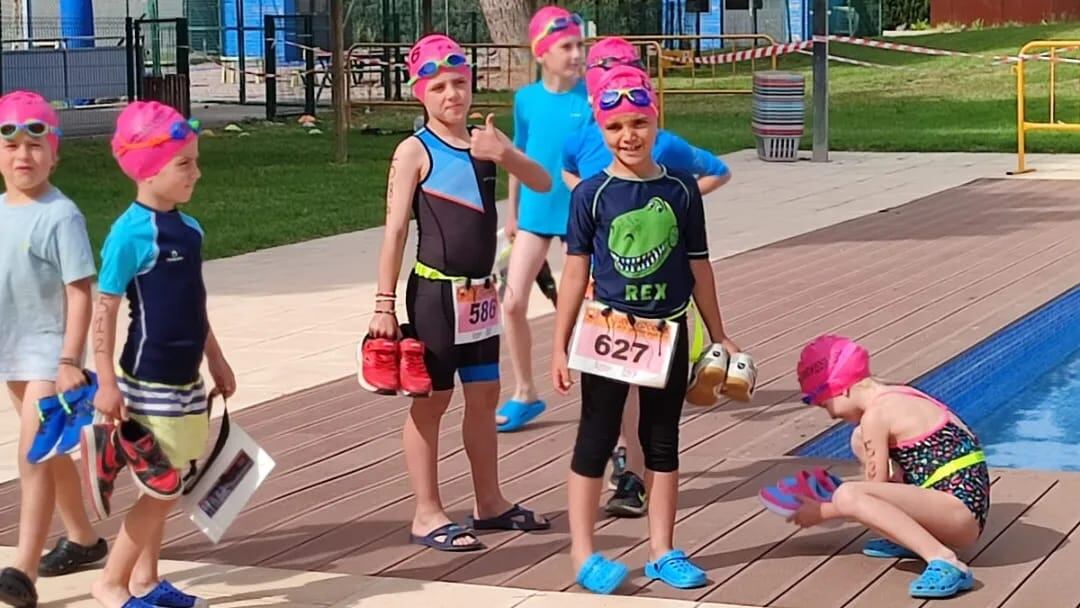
(108,595)
(141,588)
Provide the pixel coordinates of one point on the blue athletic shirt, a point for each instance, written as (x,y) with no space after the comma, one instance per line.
(641,235)
(585,154)
(155,258)
(542,122)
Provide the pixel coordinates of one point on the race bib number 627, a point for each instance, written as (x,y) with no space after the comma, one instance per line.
(607,343)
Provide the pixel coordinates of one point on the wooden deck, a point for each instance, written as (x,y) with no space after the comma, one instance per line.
(916,284)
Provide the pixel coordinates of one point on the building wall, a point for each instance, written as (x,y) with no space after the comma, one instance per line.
(108,15)
(1001,11)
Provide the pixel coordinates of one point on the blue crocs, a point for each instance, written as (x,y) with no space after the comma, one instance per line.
(601,575)
(518,414)
(940,580)
(675,569)
(885,548)
(52,418)
(167,596)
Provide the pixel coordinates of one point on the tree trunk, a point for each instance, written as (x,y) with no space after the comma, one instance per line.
(508,23)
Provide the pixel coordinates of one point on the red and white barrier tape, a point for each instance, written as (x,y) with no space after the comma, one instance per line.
(796,47)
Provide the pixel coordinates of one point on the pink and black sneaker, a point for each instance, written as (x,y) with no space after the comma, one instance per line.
(150,467)
(102,461)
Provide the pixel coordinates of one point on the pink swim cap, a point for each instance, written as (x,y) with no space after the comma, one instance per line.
(148,135)
(549,25)
(623,90)
(432,54)
(21,107)
(830,365)
(606,54)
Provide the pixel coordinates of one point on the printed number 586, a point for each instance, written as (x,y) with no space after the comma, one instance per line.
(482,311)
(617,348)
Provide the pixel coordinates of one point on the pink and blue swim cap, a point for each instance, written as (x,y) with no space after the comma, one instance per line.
(606,54)
(148,135)
(623,90)
(551,24)
(25,111)
(432,54)
(830,365)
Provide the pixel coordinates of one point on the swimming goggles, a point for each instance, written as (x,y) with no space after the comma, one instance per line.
(430,68)
(557,25)
(33,128)
(178,131)
(811,397)
(639,96)
(609,62)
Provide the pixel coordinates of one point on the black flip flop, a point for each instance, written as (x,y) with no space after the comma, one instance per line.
(17,589)
(451,532)
(510,521)
(68,557)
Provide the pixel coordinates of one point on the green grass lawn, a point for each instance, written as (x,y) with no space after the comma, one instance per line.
(277,186)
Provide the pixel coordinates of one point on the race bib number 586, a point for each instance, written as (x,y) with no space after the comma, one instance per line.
(476,311)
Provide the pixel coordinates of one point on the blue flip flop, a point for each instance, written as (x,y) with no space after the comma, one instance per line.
(676,569)
(450,532)
(885,548)
(601,575)
(940,580)
(519,413)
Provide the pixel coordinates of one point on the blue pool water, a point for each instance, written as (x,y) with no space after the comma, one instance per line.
(1040,427)
(1019,390)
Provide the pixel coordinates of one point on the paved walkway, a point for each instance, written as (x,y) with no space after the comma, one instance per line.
(289,317)
(243,587)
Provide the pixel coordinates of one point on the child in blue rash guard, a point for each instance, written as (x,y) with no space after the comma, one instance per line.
(545,114)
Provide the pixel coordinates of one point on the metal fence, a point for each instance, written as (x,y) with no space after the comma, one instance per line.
(85,77)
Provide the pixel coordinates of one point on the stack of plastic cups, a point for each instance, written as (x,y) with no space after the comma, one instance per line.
(779,110)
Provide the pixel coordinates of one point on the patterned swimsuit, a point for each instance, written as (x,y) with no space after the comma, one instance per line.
(921,457)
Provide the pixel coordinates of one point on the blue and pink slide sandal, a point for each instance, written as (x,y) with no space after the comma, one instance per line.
(518,414)
(601,575)
(785,498)
(941,580)
(675,569)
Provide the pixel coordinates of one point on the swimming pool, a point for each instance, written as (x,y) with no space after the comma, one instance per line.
(1040,427)
(1019,390)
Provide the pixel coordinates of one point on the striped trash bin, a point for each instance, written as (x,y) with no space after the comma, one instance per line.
(779,109)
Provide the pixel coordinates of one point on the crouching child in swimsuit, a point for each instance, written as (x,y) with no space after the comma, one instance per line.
(942,502)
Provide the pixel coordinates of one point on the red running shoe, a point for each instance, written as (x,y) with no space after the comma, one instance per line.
(102,461)
(150,467)
(415,381)
(378,366)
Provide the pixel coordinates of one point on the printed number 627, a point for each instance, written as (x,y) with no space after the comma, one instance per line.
(617,348)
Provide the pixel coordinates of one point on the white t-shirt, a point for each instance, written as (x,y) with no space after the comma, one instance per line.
(43,247)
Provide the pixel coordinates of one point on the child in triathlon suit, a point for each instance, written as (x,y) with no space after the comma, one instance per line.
(444,175)
(585,155)
(641,230)
(546,112)
(46,270)
(943,498)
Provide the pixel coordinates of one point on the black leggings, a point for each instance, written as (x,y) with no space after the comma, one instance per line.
(602,402)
